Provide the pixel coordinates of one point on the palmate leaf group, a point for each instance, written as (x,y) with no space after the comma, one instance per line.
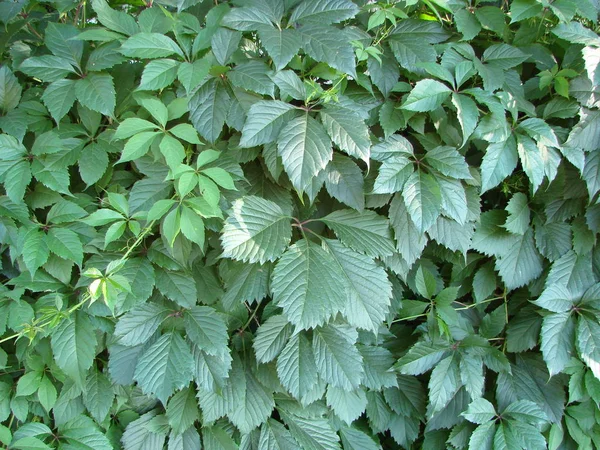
(316,224)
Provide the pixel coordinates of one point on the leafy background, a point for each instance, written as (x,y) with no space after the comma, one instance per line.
(318,224)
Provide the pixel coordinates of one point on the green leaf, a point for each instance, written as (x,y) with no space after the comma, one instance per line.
(205,328)
(480,411)
(93,163)
(265,120)
(47,68)
(368,288)
(281,44)
(82,432)
(445,381)
(182,411)
(305,150)
(139,325)
(74,346)
(164,367)
(587,343)
(410,242)
(59,98)
(193,74)
(47,394)
(348,131)
(311,432)
(256,230)
(158,74)
(366,231)
(118,21)
(137,436)
(66,244)
(208,109)
(10,90)
(132,126)
(274,436)
(150,46)
(347,405)
(393,174)
(504,56)
(521,262)
(138,146)
(329,45)
(253,76)
(338,361)
(355,439)
(96,91)
(449,162)
(35,250)
(423,199)
(98,395)
(271,337)
(246,283)
(524,9)
(468,114)
(324,12)
(246,18)
(558,332)
(467,24)
(344,181)
(427,95)
(308,285)
(421,357)
(518,214)
(177,286)
(296,367)
(192,226)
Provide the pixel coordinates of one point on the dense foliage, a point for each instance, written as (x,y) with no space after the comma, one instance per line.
(317,224)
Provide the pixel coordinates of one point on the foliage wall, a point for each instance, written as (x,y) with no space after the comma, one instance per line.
(316,224)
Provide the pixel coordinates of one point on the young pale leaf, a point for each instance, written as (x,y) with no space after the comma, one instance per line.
(256,230)
(308,284)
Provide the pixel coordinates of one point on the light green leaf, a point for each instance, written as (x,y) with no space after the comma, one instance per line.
(274,436)
(137,436)
(167,365)
(281,44)
(182,410)
(338,361)
(423,199)
(256,230)
(311,432)
(265,120)
(421,357)
(587,343)
(139,325)
(74,346)
(499,161)
(93,163)
(193,74)
(158,74)
(296,367)
(480,411)
(82,432)
(448,161)
(208,109)
(427,95)
(305,150)
(47,68)
(518,214)
(348,131)
(132,126)
(35,250)
(59,98)
(246,18)
(150,46)
(66,244)
(98,395)
(347,405)
(521,262)
(97,92)
(393,174)
(245,283)
(205,328)
(253,76)
(324,11)
(366,232)
(271,337)
(368,288)
(308,285)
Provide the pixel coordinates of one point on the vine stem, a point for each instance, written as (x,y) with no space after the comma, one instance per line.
(249,321)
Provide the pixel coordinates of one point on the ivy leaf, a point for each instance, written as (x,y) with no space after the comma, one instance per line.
(518,214)
(83,432)
(35,250)
(558,332)
(347,405)
(427,95)
(296,367)
(271,338)
(521,262)
(165,366)
(97,92)
(256,230)
(59,98)
(344,181)
(449,162)
(324,12)
(159,74)
(10,90)
(177,286)
(274,436)
(182,410)
(74,346)
(366,232)
(329,45)
(369,290)
(265,120)
(423,199)
(137,436)
(308,285)
(98,396)
(206,329)
(66,244)
(587,343)
(410,242)
(253,76)
(337,358)
(281,44)
(208,109)
(347,131)
(150,46)
(305,150)
(139,325)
